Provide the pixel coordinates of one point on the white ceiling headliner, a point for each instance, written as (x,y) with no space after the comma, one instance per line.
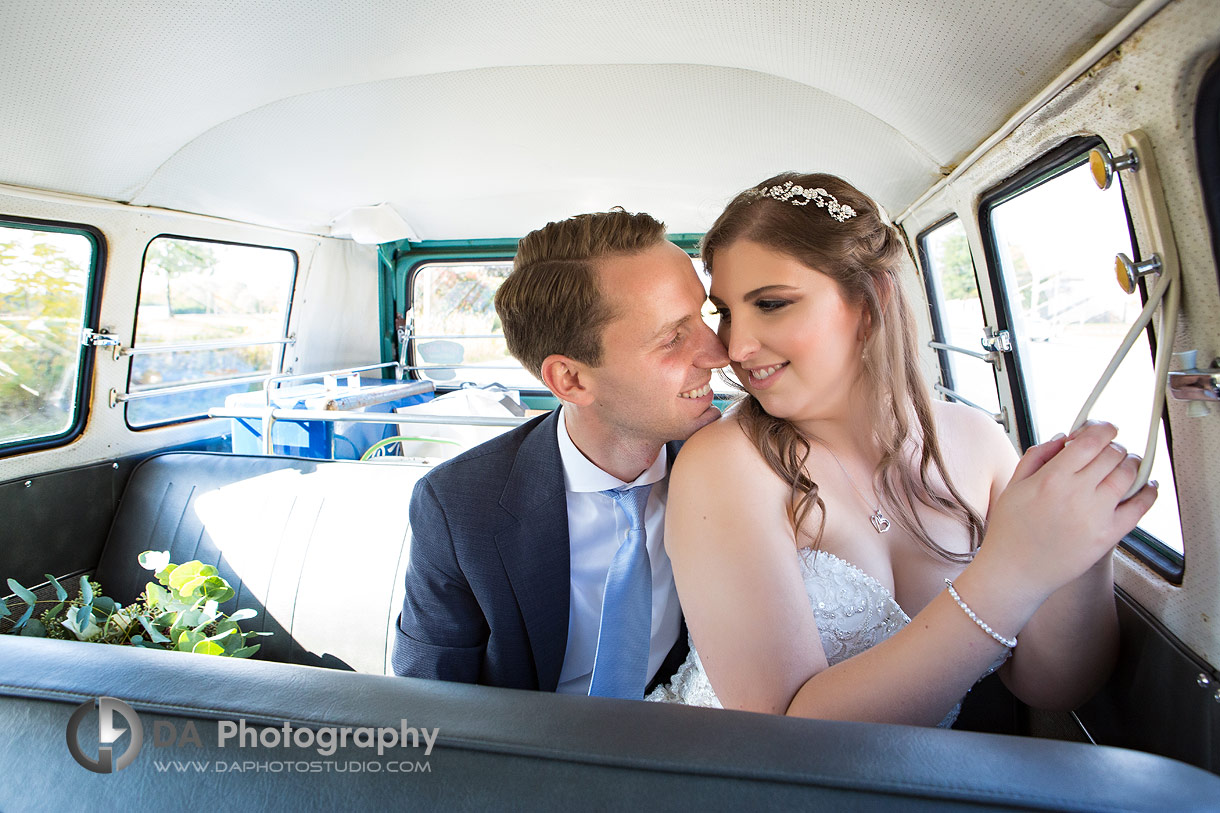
(485,120)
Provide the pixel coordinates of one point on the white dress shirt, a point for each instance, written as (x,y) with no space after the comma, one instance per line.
(596,528)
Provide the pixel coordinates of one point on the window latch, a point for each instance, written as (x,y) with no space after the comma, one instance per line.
(997,341)
(89,338)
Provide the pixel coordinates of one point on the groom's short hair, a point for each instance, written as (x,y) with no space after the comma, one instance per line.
(551,302)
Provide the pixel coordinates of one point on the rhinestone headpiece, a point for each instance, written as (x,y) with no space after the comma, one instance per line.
(800,196)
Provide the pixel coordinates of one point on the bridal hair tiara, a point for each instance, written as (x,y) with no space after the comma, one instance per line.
(800,196)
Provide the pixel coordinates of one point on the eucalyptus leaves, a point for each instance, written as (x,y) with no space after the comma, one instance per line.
(182,612)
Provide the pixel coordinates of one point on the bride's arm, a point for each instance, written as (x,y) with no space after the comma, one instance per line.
(1070,644)
(735,565)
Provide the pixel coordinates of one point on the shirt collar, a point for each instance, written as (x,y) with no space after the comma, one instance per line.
(580,474)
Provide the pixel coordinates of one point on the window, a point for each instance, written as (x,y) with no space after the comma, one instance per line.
(45,301)
(211,322)
(457,336)
(957,313)
(1053,238)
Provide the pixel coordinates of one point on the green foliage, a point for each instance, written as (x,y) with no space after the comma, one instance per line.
(181,612)
(460,300)
(957,269)
(181,259)
(460,290)
(42,297)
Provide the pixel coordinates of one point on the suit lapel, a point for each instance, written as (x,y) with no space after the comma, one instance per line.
(535,550)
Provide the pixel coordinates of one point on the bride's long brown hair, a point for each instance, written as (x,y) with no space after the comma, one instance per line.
(864,255)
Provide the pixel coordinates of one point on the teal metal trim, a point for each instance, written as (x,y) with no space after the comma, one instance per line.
(386,304)
(460,247)
(687,241)
(540,401)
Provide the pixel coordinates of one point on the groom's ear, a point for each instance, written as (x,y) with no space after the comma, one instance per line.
(568,379)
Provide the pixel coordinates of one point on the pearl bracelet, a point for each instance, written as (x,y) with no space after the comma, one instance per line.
(983,625)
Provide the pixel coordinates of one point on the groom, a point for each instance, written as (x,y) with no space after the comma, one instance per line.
(538,558)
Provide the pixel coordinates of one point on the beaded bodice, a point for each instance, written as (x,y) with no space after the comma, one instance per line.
(853,611)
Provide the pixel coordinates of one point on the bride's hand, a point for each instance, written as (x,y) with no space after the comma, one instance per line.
(1061,512)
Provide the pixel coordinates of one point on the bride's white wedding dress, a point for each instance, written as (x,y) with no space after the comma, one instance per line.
(853,610)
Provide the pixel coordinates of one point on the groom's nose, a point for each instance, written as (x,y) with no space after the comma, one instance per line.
(711,352)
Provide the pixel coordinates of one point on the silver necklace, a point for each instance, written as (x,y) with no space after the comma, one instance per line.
(879,520)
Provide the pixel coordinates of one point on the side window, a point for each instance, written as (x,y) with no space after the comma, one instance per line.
(957,315)
(456,336)
(46,300)
(212,322)
(1053,240)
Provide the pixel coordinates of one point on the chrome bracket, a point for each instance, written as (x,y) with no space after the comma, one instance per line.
(997,341)
(102,338)
(1196,384)
(1105,166)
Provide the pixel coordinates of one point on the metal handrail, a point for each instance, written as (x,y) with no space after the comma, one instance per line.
(412,338)
(174,389)
(988,357)
(1000,417)
(219,345)
(280,378)
(299,415)
(269,416)
(512,368)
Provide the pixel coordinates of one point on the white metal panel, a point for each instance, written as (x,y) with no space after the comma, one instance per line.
(502,151)
(95,98)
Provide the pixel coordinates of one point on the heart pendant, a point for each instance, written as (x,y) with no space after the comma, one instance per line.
(879,521)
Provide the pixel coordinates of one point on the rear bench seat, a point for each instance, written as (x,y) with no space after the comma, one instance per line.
(509,749)
(317,547)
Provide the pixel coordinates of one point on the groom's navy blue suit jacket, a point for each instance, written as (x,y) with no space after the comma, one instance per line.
(488,580)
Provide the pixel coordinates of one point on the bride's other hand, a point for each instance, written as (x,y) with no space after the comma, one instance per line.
(1062,511)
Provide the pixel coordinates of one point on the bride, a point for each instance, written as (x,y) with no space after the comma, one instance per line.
(845,547)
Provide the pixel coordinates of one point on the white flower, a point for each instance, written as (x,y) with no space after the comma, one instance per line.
(91,630)
(121,617)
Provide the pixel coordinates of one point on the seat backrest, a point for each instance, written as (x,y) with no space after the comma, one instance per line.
(317,547)
(506,748)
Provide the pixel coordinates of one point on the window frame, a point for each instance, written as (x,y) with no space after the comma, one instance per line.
(1207,148)
(1073,152)
(400,262)
(91,318)
(296,270)
(407,297)
(933,293)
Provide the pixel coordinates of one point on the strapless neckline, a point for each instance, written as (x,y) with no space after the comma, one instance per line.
(809,555)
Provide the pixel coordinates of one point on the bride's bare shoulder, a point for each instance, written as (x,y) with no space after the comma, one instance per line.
(969,431)
(719,448)
(724,437)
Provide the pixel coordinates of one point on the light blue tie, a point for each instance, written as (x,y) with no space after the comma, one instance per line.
(620,668)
